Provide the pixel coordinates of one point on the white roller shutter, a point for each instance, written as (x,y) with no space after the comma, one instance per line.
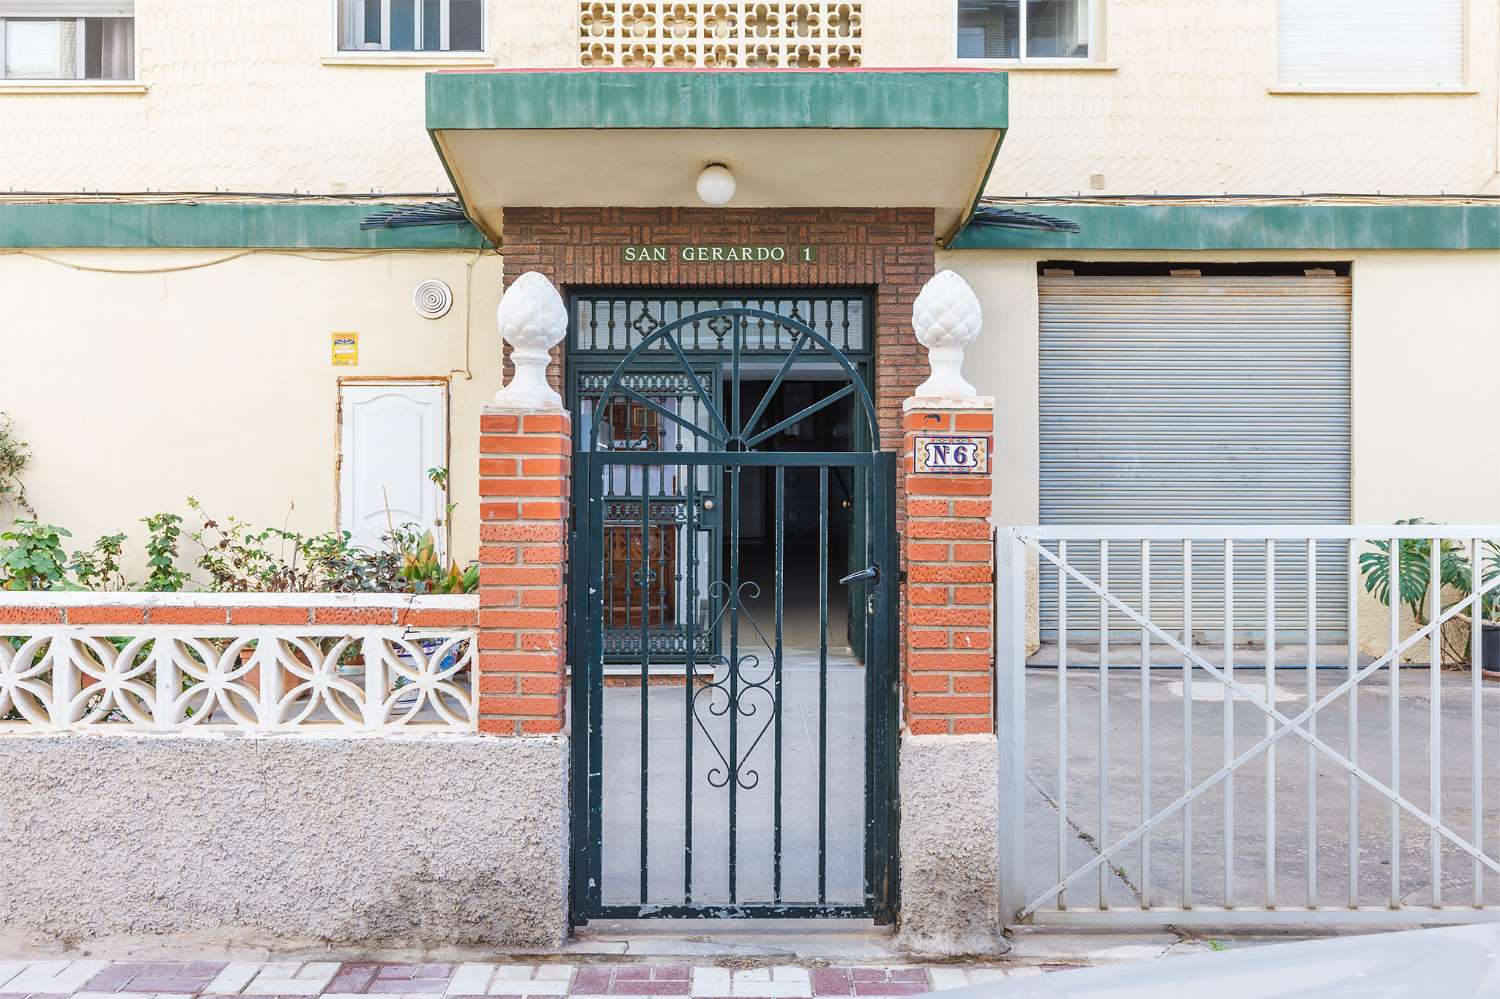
(1197,400)
(1370,43)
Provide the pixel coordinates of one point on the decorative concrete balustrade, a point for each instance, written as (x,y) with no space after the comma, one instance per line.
(258,663)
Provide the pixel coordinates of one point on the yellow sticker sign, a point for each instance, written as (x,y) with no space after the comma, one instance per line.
(346,350)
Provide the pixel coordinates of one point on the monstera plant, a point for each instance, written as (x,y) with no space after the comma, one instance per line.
(1412,589)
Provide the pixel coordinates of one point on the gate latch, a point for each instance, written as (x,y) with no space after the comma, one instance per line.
(869,572)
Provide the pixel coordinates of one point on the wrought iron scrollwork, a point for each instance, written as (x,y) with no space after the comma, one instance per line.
(740,692)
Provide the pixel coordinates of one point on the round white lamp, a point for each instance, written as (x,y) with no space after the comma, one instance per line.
(716,185)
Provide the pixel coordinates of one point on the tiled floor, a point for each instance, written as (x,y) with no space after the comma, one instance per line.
(336,980)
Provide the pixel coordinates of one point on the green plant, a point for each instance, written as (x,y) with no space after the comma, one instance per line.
(165,536)
(98,568)
(424,569)
(33,558)
(1412,589)
(15,455)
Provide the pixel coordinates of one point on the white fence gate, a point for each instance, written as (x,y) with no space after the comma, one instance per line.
(1251,782)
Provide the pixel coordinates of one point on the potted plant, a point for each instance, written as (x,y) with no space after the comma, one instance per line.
(1489,625)
(1456,575)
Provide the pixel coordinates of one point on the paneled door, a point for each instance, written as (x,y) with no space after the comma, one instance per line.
(391,435)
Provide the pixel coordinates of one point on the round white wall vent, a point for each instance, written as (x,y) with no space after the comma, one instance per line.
(432,299)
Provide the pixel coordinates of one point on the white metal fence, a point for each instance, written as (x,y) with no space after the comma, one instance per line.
(1155,781)
(90,662)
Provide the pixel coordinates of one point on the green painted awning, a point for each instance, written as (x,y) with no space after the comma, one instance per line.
(1472,225)
(794,138)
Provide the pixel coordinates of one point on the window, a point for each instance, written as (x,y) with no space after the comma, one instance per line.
(1370,44)
(67,39)
(1024,29)
(411,25)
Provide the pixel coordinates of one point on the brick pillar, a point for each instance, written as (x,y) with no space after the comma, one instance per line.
(950,580)
(523,509)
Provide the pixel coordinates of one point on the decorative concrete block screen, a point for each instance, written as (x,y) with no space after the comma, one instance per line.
(719,34)
(274,662)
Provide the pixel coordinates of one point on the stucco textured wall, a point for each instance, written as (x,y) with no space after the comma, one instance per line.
(239,97)
(284,841)
(217,382)
(950,901)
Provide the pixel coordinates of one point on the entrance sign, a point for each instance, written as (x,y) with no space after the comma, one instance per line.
(947,455)
(718,254)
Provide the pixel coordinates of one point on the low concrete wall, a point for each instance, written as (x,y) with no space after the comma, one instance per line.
(282,841)
(950,902)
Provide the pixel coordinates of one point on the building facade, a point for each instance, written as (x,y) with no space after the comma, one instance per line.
(1237,263)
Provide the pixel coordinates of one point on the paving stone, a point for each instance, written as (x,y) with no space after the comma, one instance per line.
(469,979)
(593,981)
(292,979)
(353,978)
(832,982)
(56,977)
(888,988)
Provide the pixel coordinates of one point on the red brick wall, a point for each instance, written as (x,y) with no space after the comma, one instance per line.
(950,590)
(887,250)
(523,509)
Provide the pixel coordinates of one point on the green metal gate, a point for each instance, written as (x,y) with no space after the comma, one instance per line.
(728,759)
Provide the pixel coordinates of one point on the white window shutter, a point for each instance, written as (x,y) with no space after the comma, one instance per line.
(1370,43)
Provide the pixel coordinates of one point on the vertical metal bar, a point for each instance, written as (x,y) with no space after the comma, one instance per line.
(1145,724)
(645,586)
(734,659)
(1187,723)
(779,582)
(822,683)
(1104,754)
(1229,724)
(1010,668)
(1062,721)
(1395,719)
(1312,723)
(1435,717)
(595,641)
(1476,730)
(1351,577)
(1270,674)
(689,625)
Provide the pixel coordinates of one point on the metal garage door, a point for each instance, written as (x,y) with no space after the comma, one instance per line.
(1192,399)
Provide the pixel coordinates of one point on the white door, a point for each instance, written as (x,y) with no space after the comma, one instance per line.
(392,434)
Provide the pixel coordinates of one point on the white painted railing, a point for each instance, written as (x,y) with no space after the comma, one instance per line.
(1155,762)
(262,663)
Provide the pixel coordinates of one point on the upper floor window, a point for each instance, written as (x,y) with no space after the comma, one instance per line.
(411,25)
(1370,44)
(1024,29)
(67,39)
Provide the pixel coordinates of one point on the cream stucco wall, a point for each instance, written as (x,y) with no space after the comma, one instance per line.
(1425,347)
(242,97)
(136,391)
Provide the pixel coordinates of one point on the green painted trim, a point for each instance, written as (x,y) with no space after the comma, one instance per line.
(717,99)
(947,238)
(1249,227)
(287,225)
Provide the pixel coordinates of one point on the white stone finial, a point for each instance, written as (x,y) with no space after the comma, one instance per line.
(946,318)
(533,320)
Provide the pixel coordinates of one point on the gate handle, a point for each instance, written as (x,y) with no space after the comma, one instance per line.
(870,572)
